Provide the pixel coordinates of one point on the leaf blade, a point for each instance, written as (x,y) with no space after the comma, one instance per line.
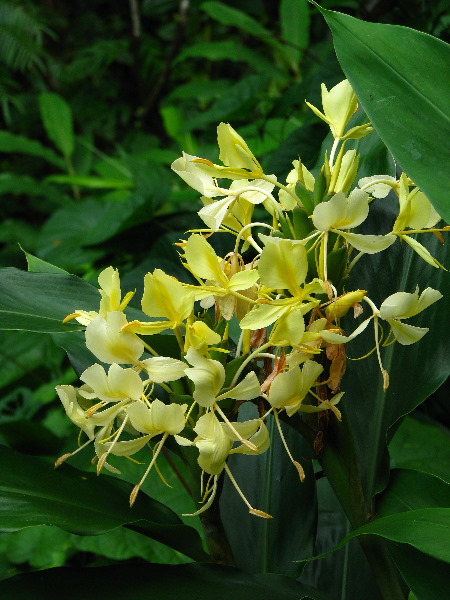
(397,75)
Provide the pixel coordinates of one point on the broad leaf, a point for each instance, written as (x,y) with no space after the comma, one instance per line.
(399,76)
(427,530)
(40,301)
(411,490)
(422,447)
(164,582)
(32,493)
(271,483)
(57,118)
(426,576)
(415,371)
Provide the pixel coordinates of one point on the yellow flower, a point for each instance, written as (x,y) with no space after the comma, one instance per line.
(339,105)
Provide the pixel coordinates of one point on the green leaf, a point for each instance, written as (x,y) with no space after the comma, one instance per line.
(20,353)
(32,493)
(335,574)
(37,265)
(86,223)
(427,530)
(228,50)
(411,490)
(246,90)
(165,582)
(57,118)
(415,371)
(92,183)
(234,17)
(294,21)
(271,483)
(398,75)
(18,144)
(426,576)
(423,447)
(40,301)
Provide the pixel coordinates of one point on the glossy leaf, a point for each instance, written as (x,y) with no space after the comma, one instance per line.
(415,371)
(40,301)
(411,490)
(399,76)
(427,530)
(271,483)
(57,118)
(164,582)
(294,20)
(422,447)
(32,493)
(334,574)
(426,577)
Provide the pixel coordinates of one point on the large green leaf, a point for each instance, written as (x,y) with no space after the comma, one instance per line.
(271,483)
(421,446)
(32,493)
(57,118)
(416,371)
(426,529)
(164,582)
(411,490)
(426,576)
(40,301)
(335,574)
(399,76)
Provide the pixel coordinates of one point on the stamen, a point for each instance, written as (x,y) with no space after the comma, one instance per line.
(64,457)
(137,487)
(236,433)
(208,503)
(251,510)
(384,373)
(296,464)
(105,455)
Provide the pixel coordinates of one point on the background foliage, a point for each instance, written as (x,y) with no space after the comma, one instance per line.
(96,102)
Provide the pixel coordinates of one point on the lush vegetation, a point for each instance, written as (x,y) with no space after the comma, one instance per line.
(97,102)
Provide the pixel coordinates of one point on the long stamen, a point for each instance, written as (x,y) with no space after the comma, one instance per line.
(208,503)
(251,510)
(384,373)
(236,433)
(137,487)
(104,456)
(64,457)
(296,464)
(244,229)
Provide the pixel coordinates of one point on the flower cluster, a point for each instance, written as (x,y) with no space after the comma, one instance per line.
(282,289)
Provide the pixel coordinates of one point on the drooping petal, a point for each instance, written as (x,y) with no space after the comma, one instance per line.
(341,212)
(118,384)
(109,344)
(163,368)
(165,296)
(68,396)
(247,389)
(234,152)
(208,376)
(283,264)
(370,244)
(202,260)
